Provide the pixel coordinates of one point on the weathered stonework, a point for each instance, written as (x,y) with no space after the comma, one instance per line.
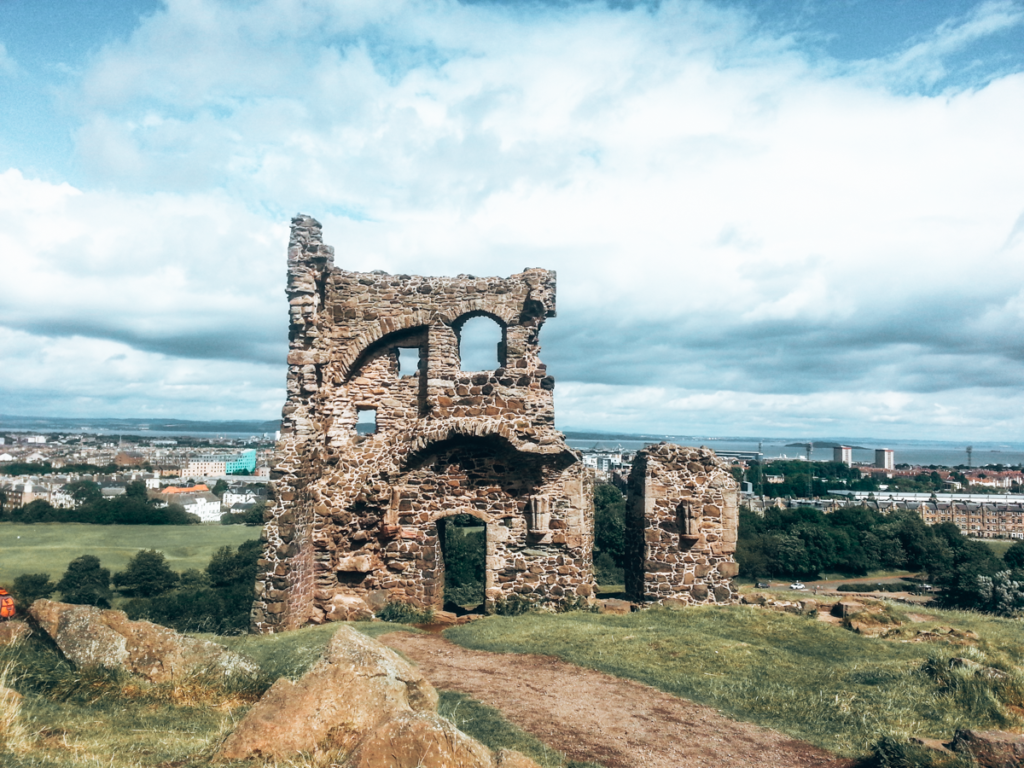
(354,519)
(682,515)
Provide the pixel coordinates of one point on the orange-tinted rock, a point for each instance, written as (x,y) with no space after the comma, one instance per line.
(420,740)
(356,685)
(89,637)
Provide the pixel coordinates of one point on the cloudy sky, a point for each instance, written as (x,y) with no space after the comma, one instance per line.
(791,219)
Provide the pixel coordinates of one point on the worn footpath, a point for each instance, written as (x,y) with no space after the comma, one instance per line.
(590,715)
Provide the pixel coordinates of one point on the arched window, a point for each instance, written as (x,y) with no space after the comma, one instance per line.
(481,344)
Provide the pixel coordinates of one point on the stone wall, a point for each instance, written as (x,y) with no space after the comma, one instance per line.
(682,516)
(354,517)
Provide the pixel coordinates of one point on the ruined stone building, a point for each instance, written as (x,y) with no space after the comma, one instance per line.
(357,518)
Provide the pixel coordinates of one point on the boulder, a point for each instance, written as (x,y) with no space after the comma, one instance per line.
(613,605)
(845,608)
(755,598)
(990,749)
(357,685)
(420,740)
(348,608)
(91,637)
(13,631)
(808,606)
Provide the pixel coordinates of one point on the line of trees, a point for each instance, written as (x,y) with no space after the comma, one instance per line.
(132,508)
(804,543)
(19,468)
(819,477)
(215,599)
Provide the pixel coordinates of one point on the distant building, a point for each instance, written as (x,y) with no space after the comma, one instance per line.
(263,472)
(129,459)
(204,468)
(233,464)
(843,453)
(884,458)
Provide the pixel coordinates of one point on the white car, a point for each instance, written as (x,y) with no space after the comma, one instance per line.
(797,585)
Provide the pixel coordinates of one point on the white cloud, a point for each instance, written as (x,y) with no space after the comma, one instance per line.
(196,276)
(713,200)
(79,376)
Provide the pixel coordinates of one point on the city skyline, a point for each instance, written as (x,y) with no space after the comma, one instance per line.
(799,220)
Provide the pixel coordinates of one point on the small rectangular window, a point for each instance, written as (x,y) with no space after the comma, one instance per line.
(367,422)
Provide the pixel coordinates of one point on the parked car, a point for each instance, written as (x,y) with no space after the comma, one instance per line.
(797,585)
(764,585)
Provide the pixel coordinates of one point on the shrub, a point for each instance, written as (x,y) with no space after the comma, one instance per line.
(30,587)
(405,613)
(888,587)
(85,582)
(514,605)
(146,575)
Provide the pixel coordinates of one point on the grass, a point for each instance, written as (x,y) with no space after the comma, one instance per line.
(999,546)
(49,547)
(72,718)
(811,680)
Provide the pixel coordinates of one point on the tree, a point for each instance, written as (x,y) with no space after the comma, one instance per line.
(255,514)
(30,587)
(227,568)
(219,488)
(84,492)
(85,582)
(136,489)
(1014,556)
(146,575)
(610,522)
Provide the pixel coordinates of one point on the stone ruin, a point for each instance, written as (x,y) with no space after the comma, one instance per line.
(357,520)
(682,519)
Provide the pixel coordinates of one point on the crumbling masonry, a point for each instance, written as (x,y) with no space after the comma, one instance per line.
(682,517)
(355,518)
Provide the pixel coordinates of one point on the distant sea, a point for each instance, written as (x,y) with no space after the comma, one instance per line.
(914,452)
(923,452)
(156,428)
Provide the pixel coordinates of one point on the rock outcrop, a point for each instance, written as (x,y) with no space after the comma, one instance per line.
(91,637)
(365,704)
(420,740)
(356,685)
(990,749)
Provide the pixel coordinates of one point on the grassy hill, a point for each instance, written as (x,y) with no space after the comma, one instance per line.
(92,719)
(816,681)
(49,547)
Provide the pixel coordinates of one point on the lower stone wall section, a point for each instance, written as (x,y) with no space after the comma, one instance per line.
(682,518)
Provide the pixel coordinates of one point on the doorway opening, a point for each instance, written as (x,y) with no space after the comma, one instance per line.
(463,542)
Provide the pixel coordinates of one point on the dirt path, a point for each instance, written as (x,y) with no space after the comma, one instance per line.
(593,716)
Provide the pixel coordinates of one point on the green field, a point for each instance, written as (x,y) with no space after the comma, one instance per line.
(49,547)
(999,546)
